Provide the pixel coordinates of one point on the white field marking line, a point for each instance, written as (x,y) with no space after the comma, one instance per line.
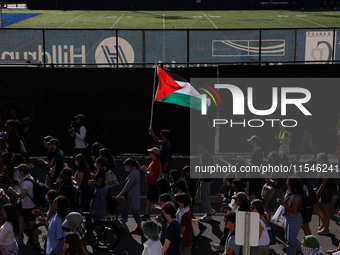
(305,20)
(117,20)
(72,20)
(256,20)
(210,21)
(163,21)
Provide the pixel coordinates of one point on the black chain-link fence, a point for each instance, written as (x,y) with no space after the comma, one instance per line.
(173,48)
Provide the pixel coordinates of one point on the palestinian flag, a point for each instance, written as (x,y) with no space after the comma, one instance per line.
(175,89)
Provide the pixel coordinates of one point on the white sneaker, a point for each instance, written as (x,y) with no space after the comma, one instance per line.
(30,166)
(218,247)
(212,212)
(206,218)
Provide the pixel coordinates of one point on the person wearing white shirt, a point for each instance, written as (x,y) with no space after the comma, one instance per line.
(152,246)
(8,245)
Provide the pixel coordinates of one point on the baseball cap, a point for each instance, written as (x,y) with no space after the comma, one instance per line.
(241,195)
(80,116)
(154,150)
(54,141)
(254,138)
(22,167)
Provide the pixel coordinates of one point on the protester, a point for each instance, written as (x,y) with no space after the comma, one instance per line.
(8,231)
(152,246)
(292,203)
(324,191)
(100,190)
(173,232)
(55,235)
(81,179)
(51,195)
(25,193)
(311,246)
(111,180)
(73,245)
(264,240)
(231,246)
(161,219)
(58,159)
(183,216)
(152,174)
(131,192)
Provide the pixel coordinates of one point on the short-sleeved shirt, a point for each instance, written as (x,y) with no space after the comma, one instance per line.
(166,154)
(101,174)
(257,157)
(27,202)
(186,239)
(231,243)
(173,234)
(155,167)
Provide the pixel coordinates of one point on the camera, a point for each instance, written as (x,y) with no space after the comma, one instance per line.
(71,127)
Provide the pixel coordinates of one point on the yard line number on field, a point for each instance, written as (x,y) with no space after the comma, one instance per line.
(210,21)
(72,20)
(117,20)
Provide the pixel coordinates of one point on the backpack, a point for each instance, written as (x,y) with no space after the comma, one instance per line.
(306,206)
(39,192)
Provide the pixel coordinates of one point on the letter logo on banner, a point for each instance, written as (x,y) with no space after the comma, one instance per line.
(319,46)
(107,52)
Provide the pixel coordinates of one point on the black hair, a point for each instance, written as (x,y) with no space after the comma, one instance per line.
(166,133)
(230,216)
(186,169)
(131,162)
(102,161)
(63,206)
(52,194)
(105,153)
(6,157)
(17,159)
(295,184)
(48,138)
(182,198)
(170,208)
(165,197)
(175,174)
(239,184)
(95,149)
(163,186)
(75,244)
(12,217)
(68,171)
(83,164)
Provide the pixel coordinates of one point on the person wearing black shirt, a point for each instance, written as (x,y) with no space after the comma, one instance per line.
(100,189)
(256,160)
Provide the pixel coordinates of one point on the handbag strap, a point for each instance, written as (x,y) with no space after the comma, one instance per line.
(133,185)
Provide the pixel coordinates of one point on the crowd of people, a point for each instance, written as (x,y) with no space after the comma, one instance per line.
(169,191)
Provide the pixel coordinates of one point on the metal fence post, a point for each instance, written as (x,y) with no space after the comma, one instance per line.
(333,49)
(117,47)
(260,46)
(44,47)
(188,51)
(295,46)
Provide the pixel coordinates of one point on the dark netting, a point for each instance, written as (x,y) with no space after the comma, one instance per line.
(224,46)
(315,45)
(21,44)
(166,46)
(64,48)
(277,45)
(67,48)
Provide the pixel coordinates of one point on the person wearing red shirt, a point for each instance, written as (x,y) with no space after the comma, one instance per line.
(152,174)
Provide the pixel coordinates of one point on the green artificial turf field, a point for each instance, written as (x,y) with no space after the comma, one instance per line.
(179,19)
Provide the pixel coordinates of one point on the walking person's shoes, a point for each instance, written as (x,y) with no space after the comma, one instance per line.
(206,218)
(323,232)
(203,229)
(136,230)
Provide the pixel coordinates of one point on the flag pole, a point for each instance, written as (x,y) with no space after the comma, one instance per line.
(153,94)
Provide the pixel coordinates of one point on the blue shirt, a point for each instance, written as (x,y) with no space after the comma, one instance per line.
(54,233)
